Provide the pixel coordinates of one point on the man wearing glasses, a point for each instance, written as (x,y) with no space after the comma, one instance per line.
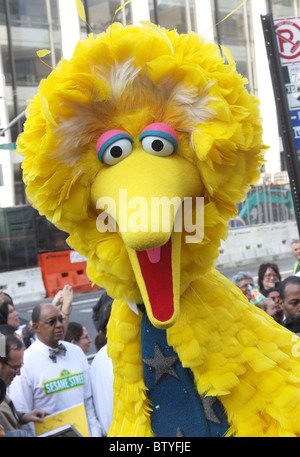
(244,281)
(11,362)
(55,375)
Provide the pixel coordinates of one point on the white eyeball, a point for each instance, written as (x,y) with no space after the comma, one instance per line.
(117,151)
(158,146)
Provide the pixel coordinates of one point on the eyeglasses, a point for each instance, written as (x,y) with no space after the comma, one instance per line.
(52,322)
(246,286)
(13,367)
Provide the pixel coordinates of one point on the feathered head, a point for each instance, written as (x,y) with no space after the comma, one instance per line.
(90,134)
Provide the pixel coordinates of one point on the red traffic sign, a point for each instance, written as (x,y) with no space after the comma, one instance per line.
(288,38)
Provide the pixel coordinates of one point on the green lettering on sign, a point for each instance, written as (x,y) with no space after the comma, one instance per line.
(63,383)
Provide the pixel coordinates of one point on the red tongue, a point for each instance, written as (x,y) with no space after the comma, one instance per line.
(156,268)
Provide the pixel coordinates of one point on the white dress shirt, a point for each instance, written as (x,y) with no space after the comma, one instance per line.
(102,388)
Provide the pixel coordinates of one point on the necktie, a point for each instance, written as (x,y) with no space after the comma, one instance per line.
(60,350)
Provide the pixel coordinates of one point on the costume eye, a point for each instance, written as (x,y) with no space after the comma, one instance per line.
(117,151)
(158,146)
(159,139)
(113,146)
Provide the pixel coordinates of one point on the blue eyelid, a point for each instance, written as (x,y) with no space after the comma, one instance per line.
(160,134)
(111,140)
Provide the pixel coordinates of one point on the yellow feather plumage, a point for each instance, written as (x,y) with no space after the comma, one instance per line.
(127,78)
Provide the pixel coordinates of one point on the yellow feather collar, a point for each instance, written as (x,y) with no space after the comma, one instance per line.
(235,351)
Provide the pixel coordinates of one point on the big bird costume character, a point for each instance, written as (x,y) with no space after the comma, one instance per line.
(142,113)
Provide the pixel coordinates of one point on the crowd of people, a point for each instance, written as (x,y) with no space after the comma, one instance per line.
(278,297)
(44,366)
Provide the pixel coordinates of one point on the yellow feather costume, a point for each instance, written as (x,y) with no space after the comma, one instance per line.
(125,80)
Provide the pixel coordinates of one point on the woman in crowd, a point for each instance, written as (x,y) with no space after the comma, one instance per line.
(77,334)
(268,277)
(8,315)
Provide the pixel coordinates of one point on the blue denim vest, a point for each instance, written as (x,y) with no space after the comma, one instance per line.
(177,408)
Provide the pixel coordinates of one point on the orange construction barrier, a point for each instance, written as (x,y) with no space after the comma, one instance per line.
(64,267)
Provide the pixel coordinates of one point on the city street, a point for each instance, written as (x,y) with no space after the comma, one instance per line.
(83,303)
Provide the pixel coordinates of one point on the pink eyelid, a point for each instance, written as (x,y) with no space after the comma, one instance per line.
(109,137)
(162,130)
(161,127)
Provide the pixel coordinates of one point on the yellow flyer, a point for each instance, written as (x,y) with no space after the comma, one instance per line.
(75,416)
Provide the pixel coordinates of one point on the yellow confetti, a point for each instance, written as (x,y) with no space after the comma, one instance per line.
(80,9)
(43,52)
(159,31)
(228,54)
(122,6)
(231,12)
(46,111)
(81,12)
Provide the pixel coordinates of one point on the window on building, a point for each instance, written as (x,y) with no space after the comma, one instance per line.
(172,14)
(101,13)
(284,8)
(236,33)
(33,25)
(27,12)
(20,197)
(26,26)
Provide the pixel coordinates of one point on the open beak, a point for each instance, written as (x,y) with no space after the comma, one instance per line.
(157,272)
(154,254)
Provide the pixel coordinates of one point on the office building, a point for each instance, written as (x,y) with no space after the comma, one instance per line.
(27,26)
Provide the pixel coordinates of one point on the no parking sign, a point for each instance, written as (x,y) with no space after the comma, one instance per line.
(282,39)
(288,38)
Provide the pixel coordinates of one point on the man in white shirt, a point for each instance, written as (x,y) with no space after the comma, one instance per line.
(53,381)
(102,378)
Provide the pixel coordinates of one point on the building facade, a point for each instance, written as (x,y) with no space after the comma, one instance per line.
(27,26)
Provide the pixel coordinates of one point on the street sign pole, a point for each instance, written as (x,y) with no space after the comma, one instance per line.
(285,125)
